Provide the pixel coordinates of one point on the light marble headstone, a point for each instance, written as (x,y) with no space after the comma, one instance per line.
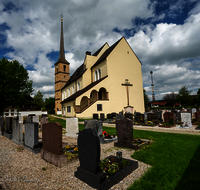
(95,125)
(72,127)
(43,121)
(36,118)
(186,118)
(31,134)
(17,132)
(21,119)
(193,110)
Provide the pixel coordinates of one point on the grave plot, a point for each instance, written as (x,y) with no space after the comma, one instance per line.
(53,150)
(90,170)
(124,130)
(186,121)
(106,137)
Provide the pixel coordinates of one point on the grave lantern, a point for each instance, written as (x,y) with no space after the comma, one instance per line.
(119,155)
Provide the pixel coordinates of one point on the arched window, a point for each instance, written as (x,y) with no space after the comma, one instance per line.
(99,72)
(78,86)
(64,67)
(96,75)
(65,93)
(73,89)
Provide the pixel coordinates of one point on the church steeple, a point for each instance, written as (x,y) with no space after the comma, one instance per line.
(62,49)
(61,72)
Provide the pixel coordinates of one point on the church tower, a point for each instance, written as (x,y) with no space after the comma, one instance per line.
(61,72)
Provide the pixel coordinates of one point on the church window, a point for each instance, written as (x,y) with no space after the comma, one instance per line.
(68,109)
(73,89)
(64,67)
(99,107)
(69,91)
(65,93)
(99,73)
(78,86)
(96,75)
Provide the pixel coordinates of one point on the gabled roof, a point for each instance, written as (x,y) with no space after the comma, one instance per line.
(98,51)
(106,53)
(78,93)
(78,73)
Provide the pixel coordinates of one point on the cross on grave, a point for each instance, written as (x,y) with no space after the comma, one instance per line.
(127,84)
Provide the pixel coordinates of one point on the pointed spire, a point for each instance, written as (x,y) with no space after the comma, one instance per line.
(62,50)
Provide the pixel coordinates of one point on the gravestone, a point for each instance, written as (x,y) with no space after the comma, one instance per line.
(36,118)
(114,114)
(8,128)
(193,110)
(95,116)
(176,115)
(197,116)
(102,116)
(31,116)
(139,117)
(186,119)
(21,119)
(28,119)
(128,115)
(119,116)
(43,121)
(159,113)
(168,116)
(44,115)
(146,115)
(31,137)
(109,116)
(153,117)
(17,132)
(72,127)
(95,125)
(52,137)
(124,130)
(2,126)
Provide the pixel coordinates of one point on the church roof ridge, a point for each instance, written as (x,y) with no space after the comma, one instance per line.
(107,52)
(98,51)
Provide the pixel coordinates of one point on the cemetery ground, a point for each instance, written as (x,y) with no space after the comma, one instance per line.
(170,162)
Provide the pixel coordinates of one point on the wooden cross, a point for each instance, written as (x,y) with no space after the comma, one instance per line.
(127,84)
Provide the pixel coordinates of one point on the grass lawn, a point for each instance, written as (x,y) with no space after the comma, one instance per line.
(175,160)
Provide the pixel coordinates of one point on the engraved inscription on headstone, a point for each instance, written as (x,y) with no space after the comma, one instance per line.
(186,119)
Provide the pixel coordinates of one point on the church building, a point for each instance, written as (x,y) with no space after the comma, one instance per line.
(109,80)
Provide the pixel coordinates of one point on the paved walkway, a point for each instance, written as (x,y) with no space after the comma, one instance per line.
(191,130)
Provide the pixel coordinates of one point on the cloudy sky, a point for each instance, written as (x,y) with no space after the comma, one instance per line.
(164,34)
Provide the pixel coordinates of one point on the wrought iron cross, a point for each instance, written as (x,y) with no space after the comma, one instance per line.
(127,84)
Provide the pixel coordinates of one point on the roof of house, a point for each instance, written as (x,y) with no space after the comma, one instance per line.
(78,73)
(78,93)
(106,53)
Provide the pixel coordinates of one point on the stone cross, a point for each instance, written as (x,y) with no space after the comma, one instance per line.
(127,84)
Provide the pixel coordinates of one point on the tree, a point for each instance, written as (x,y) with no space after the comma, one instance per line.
(14,84)
(49,105)
(170,98)
(38,100)
(146,99)
(198,97)
(183,96)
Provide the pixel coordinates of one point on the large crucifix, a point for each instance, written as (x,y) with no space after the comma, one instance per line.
(127,84)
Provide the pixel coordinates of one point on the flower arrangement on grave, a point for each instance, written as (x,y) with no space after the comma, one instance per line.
(70,151)
(148,123)
(106,135)
(112,165)
(182,124)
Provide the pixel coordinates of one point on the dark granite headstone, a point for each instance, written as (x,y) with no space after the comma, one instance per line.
(8,128)
(95,116)
(102,116)
(2,126)
(89,150)
(95,125)
(138,117)
(124,130)
(153,117)
(160,116)
(168,116)
(197,116)
(52,137)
